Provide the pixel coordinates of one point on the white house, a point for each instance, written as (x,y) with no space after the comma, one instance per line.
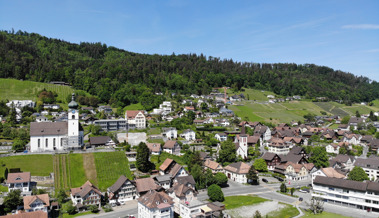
(327,172)
(155,204)
(20,181)
(348,193)
(170,133)
(21,103)
(122,190)
(221,137)
(51,136)
(171,147)
(278,146)
(352,138)
(37,203)
(264,132)
(237,172)
(189,135)
(42,119)
(193,208)
(135,119)
(154,148)
(332,148)
(87,194)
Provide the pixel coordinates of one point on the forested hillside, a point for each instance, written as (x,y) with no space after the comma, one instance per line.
(120,77)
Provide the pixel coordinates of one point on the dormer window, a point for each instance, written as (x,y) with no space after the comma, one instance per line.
(18,178)
(157,202)
(165,201)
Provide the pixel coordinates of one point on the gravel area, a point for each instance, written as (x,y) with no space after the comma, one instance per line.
(133,138)
(249,211)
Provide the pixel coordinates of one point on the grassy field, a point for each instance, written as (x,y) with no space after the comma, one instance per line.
(13,89)
(251,94)
(232,202)
(323,215)
(158,161)
(286,212)
(66,215)
(109,167)
(137,106)
(37,165)
(77,173)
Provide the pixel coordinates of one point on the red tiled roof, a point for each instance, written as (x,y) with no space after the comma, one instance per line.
(18,177)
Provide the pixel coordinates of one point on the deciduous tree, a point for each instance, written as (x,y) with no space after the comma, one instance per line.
(358,174)
(215,193)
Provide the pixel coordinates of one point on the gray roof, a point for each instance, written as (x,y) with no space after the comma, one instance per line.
(163,178)
(118,184)
(371,163)
(48,128)
(186,179)
(99,140)
(347,184)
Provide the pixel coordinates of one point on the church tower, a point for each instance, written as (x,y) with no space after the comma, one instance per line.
(73,124)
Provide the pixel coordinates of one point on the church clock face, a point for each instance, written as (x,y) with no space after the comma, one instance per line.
(73,111)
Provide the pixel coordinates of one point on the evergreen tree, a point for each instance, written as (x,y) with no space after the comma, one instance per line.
(227,154)
(142,160)
(252,176)
(283,188)
(6,173)
(12,200)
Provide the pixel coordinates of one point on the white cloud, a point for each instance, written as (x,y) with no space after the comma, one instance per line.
(362,26)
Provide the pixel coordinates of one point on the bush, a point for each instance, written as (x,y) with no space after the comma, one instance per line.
(93,208)
(215,193)
(71,209)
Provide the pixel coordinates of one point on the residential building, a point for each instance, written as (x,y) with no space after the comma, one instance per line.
(237,172)
(144,185)
(278,146)
(105,108)
(154,148)
(294,171)
(213,165)
(221,137)
(163,180)
(111,124)
(333,148)
(171,147)
(348,193)
(271,159)
(370,166)
(192,209)
(170,133)
(172,168)
(87,194)
(101,141)
(352,138)
(21,103)
(328,172)
(180,194)
(51,106)
(135,119)
(189,135)
(122,190)
(52,136)
(20,181)
(155,205)
(342,161)
(354,122)
(35,214)
(263,131)
(42,119)
(37,203)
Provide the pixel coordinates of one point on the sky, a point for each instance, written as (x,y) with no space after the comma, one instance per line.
(343,35)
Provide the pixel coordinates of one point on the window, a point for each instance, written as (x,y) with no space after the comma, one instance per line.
(54,142)
(368,201)
(47,143)
(39,142)
(73,117)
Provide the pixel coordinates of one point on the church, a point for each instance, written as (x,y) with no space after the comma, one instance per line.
(58,136)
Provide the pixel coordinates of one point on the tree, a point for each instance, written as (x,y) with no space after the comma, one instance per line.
(252,176)
(198,176)
(260,165)
(283,188)
(357,114)
(93,208)
(319,157)
(227,154)
(257,214)
(142,160)
(316,205)
(36,191)
(358,174)
(292,191)
(18,145)
(6,173)
(61,196)
(12,200)
(221,179)
(215,193)
(71,209)
(345,120)
(195,158)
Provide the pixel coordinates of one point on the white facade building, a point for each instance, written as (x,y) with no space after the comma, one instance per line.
(135,119)
(155,204)
(189,135)
(237,172)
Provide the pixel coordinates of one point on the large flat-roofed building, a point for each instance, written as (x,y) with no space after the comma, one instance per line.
(360,195)
(111,125)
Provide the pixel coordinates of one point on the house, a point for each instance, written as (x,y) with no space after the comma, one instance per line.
(170,133)
(342,161)
(370,166)
(294,171)
(51,106)
(172,168)
(144,185)
(89,120)
(354,122)
(213,165)
(271,159)
(20,181)
(237,171)
(154,148)
(101,141)
(181,193)
(343,127)
(193,208)
(106,109)
(20,104)
(171,147)
(263,131)
(221,137)
(189,108)
(37,203)
(374,145)
(135,119)
(163,180)
(226,112)
(328,172)
(42,119)
(348,193)
(333,148)
(155,204)
(52,136)
(122,190)
(352,138)
(87,194)
(89,109)
(278,146)
(189,135)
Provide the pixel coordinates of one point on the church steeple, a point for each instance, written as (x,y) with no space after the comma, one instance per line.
(73,104)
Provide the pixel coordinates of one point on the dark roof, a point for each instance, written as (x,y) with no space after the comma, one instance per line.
(371,163)
(340,183)
(118,184)
(269,156)
(180,190)
(294,158)
(355,120)
(342,158)
(296,150)
(185,180)
(48,128)
(99,140)
(145,184)
(163,178)
(85,189)
(169,144)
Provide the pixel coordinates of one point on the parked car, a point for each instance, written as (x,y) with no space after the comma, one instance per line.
(264,180)
(300,199)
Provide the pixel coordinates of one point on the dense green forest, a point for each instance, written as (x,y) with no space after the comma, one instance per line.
(120,77)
